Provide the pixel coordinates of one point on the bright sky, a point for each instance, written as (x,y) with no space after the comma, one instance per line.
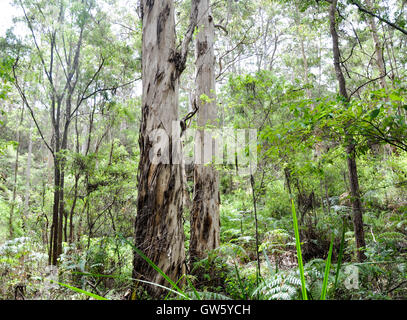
(7,12)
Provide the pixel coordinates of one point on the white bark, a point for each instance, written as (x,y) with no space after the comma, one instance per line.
(205,222)
(158,228)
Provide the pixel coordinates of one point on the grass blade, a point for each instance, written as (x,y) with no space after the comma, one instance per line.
(327,268)
(183,276)
(161,286)
(89,294)
(155,267)
(128,278)
(193,289)
(240,281)
(299,256)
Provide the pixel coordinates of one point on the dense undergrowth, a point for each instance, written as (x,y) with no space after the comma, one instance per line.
(103,266)
(287,229)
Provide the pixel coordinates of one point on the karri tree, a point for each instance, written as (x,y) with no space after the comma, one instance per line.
(159,232)
(205,222)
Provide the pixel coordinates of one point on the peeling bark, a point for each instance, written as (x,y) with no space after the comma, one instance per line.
(205,221)
(158,226)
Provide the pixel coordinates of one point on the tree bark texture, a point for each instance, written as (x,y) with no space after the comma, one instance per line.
(159,231)
(205,221)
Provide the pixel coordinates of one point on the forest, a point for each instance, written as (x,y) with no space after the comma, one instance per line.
(203,150)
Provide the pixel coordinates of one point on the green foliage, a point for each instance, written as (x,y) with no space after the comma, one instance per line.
(274,75)
(281,286)
(299,256)
(6,79)
(87,293)
(21,263)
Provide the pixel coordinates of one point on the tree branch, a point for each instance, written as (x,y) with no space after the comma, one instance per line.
(187,117)
(25,101)
(366,83)
(364,10)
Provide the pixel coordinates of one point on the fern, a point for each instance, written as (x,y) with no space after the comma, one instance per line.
(281,286)
(205,295)
(391,236)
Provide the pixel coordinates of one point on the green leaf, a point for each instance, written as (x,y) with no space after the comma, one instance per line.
(299,256)
(155,267)
(90,294)
(374,114)
(327,268)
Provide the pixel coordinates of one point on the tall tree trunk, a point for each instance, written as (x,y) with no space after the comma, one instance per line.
(63,214)
(380,64)
(77,176)
(205,221)
(378,48)
(301,37)
(350,143)
(16,163)
(28,176)
(159,231)
(53,251)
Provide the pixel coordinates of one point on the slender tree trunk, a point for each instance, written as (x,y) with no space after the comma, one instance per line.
(75,197)
(16,164)
(28,179)
(390,53)
(252,184)
(58,208)
(350,143)
(28,170)
(327,195)
(63,214)
(356,202)
(380,64)
(378,48)
(45,230)
(159,231)
(205,221)
(53,257)
(303,55)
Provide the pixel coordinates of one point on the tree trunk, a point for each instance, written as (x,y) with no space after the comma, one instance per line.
(53,252)
(356,202)
(378,48)
(303,55)
(28,178)
(159,231)
(205,221)
(77,176)
(350,144)
(16,163)
(58,207)
(28,170)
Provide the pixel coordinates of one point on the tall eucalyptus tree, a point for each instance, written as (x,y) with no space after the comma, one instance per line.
(159,231)
(75,50)
(205,221)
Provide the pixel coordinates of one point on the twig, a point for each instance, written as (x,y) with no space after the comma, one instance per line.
(187,117)
(364,10)
(218,26)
